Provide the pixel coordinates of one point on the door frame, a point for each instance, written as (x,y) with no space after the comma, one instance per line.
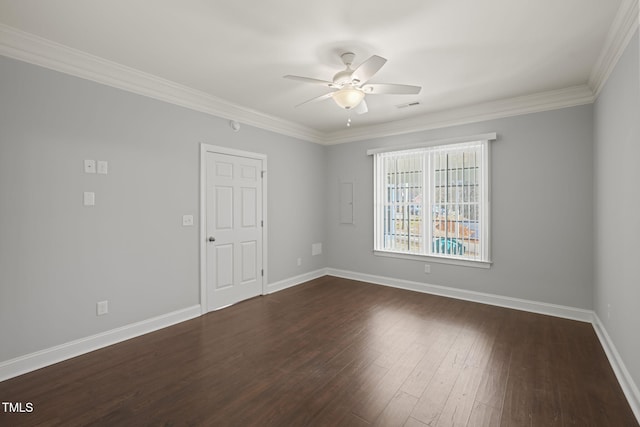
(208,148)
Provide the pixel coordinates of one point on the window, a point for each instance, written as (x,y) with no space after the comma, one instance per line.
(434,201)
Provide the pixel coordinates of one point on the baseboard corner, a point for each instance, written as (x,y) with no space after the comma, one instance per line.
(294,281)
(629,387)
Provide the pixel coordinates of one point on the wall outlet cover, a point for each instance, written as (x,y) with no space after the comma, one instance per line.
(102,308)
(187,220)
(89,198)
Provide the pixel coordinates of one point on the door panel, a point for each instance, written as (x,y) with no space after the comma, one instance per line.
(223,259)
(249,261)
(249,205)
(233,229)
(249,173)
(224,205)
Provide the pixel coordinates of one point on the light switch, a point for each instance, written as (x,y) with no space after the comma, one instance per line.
(187,220)
(89,198)
(103,167)
(89,166)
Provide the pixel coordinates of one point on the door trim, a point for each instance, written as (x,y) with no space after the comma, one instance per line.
(207,148)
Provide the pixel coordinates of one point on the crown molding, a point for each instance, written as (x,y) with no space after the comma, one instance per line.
(39,51)
(534,103)
(45,53)
(622,30)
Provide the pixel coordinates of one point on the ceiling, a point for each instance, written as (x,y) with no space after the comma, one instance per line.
(463,53)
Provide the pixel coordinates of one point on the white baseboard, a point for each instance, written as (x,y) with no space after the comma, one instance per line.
(294,281)
(39,359)
(481,297)
(629,387)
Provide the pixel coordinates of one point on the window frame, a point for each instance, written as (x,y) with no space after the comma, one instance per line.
(378,180)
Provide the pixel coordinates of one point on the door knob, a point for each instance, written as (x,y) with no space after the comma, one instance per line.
(212,239)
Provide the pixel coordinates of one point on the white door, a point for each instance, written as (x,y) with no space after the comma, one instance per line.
(233,229)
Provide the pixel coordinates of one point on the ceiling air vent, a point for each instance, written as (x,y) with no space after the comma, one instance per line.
(408,104)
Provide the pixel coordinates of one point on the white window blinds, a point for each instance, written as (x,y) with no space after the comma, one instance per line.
(433,201)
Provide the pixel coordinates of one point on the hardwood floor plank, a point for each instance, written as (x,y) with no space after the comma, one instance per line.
(324,396)
(340,406)
(373,401)
(492,388)
(352,420)
(433,399)
(412,422)
(546,391)
(460,403)
(422,374)
(335,352)
(457,408)
(484,416)
(518,408)
(397,411)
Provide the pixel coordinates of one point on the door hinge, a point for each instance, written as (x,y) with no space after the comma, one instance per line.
(262,223)
(262,272)
(262,174)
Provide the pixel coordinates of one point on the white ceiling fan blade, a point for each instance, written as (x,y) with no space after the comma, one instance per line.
(390,89)
(309,80)
(367,69)
(361,108)
(317,98)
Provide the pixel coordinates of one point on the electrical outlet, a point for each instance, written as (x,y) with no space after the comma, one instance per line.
(299,262)
(187,220)
(102,308)
(427,269)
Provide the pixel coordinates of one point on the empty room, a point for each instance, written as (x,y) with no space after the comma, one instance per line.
(340,213)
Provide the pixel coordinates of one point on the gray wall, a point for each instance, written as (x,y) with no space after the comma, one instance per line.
(58,258)
(542,210)
(617,207)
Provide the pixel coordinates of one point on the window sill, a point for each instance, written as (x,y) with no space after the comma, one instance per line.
(436,259)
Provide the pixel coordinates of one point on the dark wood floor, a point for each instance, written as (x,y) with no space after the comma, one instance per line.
(337,352)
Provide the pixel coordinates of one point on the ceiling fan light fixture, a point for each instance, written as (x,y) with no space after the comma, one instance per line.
(348,98)
(350,86)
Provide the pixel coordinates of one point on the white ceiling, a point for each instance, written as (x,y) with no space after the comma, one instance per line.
(463,53)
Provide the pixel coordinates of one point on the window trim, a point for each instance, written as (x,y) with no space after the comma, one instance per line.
(484,263)
(427,144)
(434,259)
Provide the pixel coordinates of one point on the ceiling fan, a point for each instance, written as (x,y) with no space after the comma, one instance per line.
(350,85)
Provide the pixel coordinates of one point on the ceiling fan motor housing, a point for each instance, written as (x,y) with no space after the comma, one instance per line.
(344,77)
(347,58)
